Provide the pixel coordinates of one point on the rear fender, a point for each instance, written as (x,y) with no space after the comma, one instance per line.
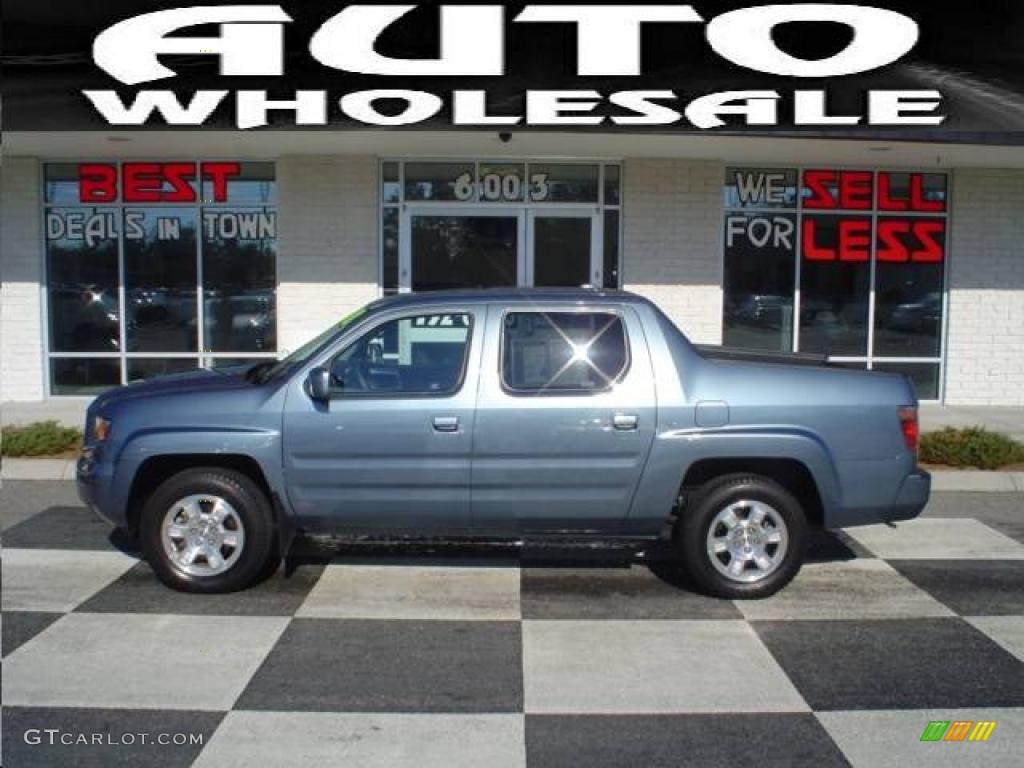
(674,452)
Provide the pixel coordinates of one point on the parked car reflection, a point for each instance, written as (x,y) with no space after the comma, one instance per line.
(84,319)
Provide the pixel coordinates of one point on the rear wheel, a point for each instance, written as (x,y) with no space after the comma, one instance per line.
(742,537)
(208,530)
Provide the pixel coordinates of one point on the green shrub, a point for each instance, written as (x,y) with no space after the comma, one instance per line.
(43,438)
(970,447)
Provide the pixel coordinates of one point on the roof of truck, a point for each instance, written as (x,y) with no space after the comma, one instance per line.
(508,296)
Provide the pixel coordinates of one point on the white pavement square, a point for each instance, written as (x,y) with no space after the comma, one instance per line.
(315,739)
(855,589)
(57,579)
(892,738)
(415,592)
(651,667)
(938,539)
(140,661)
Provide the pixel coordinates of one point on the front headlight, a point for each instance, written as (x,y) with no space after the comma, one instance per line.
(100,429)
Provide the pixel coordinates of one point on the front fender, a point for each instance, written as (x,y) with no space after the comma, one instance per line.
(675,451)
(263,446)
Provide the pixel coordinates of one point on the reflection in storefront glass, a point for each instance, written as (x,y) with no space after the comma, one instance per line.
(148,367)
(464,252)
(253,184)
(389,249)
(82,274)
(611,249)
(759,280)
(440,181)
(83,376)
(563,183)
(924,376)
(908,290)
(835,285)
(391,191)
(160,279)
(239,279)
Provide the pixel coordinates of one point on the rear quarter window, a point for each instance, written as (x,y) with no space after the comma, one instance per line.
(563,352)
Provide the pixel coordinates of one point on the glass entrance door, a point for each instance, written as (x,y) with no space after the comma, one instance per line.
(461,249)
(563,248)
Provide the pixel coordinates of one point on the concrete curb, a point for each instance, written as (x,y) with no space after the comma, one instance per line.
(942,482)
(37,469)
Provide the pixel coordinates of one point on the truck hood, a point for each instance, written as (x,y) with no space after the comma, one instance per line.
(207,381)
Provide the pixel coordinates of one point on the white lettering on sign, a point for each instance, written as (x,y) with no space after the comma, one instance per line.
(248,225)
(608,38)
(472,37)
(760,231)
(93,228)
(761,187)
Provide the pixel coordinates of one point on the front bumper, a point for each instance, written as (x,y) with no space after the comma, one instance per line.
(94,480)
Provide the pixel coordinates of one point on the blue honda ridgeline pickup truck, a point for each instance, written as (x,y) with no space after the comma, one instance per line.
(521,415)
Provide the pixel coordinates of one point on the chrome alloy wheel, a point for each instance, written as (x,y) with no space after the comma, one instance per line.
(747,541)
(202,535)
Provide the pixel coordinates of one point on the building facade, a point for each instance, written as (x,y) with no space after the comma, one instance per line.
(126,259)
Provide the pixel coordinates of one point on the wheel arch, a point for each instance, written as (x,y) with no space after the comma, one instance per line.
(791,474)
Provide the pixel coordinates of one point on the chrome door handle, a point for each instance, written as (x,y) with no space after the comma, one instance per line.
(446,423)
(625,422)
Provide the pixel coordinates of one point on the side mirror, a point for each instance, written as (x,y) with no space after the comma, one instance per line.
(319,385)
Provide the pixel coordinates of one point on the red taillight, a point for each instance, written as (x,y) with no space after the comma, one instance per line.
(911,431)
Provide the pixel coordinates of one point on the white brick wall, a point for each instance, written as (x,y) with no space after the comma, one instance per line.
(985,353)
(672,214)
(21,275)
(327,242)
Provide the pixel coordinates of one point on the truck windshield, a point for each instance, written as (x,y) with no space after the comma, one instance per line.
(263,372)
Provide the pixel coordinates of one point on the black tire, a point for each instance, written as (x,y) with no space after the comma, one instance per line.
(716,495)
(257,558)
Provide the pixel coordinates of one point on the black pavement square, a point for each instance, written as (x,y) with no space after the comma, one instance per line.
(614,593)
(104,738)
(139,591)
(894,664)
(343,665)
(21,626)
(67,528)
(970,587)
(669,741)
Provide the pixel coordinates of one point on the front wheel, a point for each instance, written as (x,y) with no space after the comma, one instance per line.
(208,530)
(742,537)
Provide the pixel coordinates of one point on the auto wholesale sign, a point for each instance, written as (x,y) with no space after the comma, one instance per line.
(732,65)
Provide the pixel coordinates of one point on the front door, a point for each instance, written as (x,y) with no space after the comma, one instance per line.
(390,452)
(564,248)
(564,422)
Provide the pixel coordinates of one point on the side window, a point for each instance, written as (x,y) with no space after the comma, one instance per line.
(421,355)
(563,351)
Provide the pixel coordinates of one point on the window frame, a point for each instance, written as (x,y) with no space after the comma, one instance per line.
(337,393)
(588,310)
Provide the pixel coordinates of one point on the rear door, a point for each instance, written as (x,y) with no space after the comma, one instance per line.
(565,418)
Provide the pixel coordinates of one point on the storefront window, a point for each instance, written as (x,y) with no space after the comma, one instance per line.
(130,248)
(867,251)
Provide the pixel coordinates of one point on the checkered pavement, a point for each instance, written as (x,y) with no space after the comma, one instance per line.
(450,659)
